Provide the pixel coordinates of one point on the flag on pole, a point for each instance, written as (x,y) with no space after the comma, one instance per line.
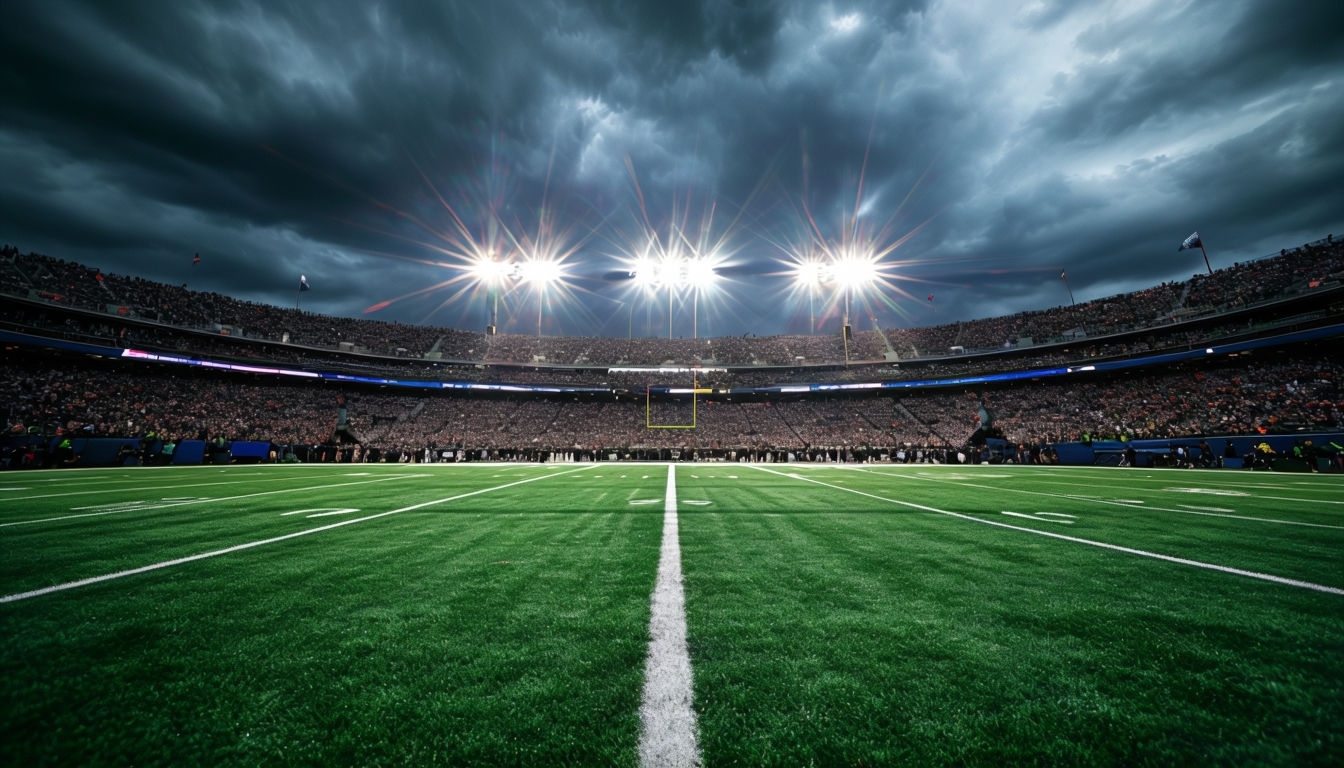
(196,260)
(1192,241)
(303,284)
(930,297)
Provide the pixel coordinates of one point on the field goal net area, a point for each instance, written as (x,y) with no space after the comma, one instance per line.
(673,405)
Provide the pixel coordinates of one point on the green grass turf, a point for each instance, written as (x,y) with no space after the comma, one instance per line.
(837,616)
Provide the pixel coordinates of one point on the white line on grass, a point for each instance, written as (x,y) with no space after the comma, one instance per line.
(1133,503)
(1103,545)
(139,507)
(251,544)
(667,734)
(142,481)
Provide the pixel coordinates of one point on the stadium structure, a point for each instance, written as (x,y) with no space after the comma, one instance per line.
(1234,368)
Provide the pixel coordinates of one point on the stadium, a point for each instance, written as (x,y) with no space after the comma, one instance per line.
(1099,534)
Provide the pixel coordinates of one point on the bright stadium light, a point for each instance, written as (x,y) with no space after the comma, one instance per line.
(494,274)
(540,273)
(852,270)
(852,273)
(700,275)
(808,275)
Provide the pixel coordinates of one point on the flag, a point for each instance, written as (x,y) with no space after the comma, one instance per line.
(196,260)
(1192,241)
(930,297)
(303,283)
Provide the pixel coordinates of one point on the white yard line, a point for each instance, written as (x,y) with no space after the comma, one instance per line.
(667,734)
(1074,539)
(1130,503)
(139,482)
(263,542)
(143,507)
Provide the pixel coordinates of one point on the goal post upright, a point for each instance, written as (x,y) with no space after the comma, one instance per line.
(695,392)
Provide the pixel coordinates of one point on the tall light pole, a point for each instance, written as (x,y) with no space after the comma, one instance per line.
(700,275)
(808,275)
(540,274)
(493,273)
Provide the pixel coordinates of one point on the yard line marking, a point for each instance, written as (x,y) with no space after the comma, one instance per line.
(251,544)
(105,510)
(1205,509)
(667,734)
(1131,505)
(1101,544)
(140,481)
(1034,517)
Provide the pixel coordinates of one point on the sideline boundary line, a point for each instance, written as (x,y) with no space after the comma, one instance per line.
(667,733)
(251,544)
(1076,540)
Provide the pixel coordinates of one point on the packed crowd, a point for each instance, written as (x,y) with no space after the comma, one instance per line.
(1291,272)
(48,392)
(97,329)
(102,398)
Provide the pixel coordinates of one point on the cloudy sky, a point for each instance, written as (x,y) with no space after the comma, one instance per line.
(975,148)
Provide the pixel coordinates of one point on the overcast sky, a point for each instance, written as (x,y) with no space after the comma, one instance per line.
(979,147)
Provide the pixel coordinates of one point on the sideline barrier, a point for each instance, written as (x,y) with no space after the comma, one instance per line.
(1151,452)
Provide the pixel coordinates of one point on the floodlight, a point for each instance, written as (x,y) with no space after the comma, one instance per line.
(492,271)
(853,271)
(699,273)
(540,272)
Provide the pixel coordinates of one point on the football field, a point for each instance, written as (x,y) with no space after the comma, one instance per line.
(716,614)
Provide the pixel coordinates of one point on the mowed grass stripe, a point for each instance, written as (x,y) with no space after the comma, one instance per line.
(1077,540)
(1107,490)
(1106,508)
(467,634)
(69,550)
(263,542)
(850,638)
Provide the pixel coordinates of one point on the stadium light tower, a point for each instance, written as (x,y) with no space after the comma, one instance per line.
(655,274)
(852,271)
(808,275)
(540,273)
(700,276)
(494,274)
(676,272)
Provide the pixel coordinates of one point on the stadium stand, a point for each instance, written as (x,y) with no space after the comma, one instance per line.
(68,328)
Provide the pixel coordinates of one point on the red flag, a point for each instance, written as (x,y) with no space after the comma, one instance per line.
(930,297)
(196,260)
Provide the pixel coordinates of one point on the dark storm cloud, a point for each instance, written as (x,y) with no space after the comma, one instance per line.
(325,139)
